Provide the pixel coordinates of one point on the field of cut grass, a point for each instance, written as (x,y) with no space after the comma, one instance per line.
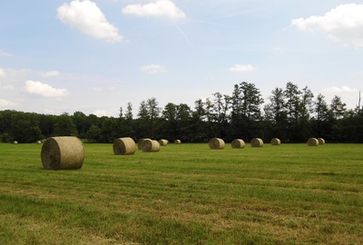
(185,194)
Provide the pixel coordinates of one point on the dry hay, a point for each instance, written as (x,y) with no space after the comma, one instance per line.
(140,141)
(163,142)
(150,146)
(321,141)
(313,142)
(275,141)
(256,142)
(15,142)
(216,144)
(62,153)
(177,141)
(238,143)
(124,146)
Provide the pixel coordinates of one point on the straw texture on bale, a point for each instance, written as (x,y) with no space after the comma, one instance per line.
(238,143)
(256,142)
(150,146)
(177,141)
(139,143)
(62,153)
(216,144)
(163,142)
(15,142)
(313,142)
(321,141)
(275,141)
(124,146)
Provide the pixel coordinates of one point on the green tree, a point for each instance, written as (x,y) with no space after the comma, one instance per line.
(153,111)
(197,123)
(292,102)
(251,101)
(338,108)
(221,105)
(305,108)
(94,133)
(246,101)
(170,127)
(22,127)
(143,111)
(322,121)
(82,123)
(275,113)
(128,114)
(64,126)
(170,112)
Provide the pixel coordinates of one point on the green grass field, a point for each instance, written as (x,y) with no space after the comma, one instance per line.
(185,194)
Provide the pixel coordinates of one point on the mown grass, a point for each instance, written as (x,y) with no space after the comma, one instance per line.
(185,194)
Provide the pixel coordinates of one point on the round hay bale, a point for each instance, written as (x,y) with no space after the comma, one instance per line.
(256,142)
(15,142)
(150,146)
(140,141)
(321,141)
(62,153)
(238,143)
(177,142)
(275,141)
(163,142)
(313,142)
(216,144)
(39,142)
(124,146)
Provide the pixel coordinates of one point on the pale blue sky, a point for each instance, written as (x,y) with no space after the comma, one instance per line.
(52,61)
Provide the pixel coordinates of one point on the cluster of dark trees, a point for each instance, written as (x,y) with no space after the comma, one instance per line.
(291,114)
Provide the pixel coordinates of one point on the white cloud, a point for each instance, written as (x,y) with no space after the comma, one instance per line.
(43,89)
(89,19)
(342,89)
(4,84)
(348,95)
(6,103)
(343,23)
(2,73)
(101,113)
(5,54)
(165,8)
(240,68)
(153,69)
(51,74)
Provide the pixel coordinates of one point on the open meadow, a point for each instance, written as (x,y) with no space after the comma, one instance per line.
(185,194)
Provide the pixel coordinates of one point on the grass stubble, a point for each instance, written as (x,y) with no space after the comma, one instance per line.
(185,194)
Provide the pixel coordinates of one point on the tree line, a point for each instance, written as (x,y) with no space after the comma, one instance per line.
(291,113)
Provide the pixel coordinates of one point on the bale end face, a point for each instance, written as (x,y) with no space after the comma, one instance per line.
(177,142)
(140,141)
(216,144)
(275,141)
(150,146)
(321,141)
(312,142)
(163,142)
(62,153)
(238,143)
(124,146)
(256,142)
